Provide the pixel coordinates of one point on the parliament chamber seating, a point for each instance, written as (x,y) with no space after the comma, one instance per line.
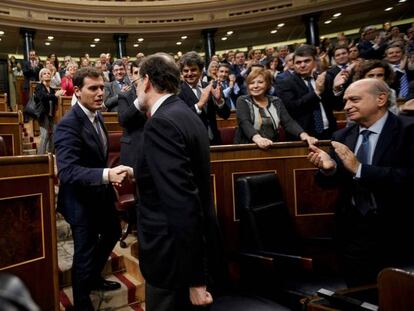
(126,195)
(227,135)
(395,289)
(3,151)
(3,102)
(273,257)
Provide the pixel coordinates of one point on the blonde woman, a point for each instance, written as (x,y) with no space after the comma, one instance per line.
(48,99)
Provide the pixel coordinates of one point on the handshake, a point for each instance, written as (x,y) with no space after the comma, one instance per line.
(119,174)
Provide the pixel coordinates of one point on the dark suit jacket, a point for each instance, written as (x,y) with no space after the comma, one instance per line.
(209,117)
(240,80)
(30,74)
(390,178)
(48,100)
(132,121)
(301,103)
(367,51)
(80,161)
(176,219)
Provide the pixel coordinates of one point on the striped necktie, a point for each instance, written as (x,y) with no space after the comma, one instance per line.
(317,114)
(403,83)
(101,134)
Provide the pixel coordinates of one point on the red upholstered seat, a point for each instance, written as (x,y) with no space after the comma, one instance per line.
(227,135)
(114,143)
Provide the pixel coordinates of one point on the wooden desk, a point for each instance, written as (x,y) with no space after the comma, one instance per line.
(111,122)
(11,124)
(63,106)
(310,206)
(230,122)
(28,226)
(3,103)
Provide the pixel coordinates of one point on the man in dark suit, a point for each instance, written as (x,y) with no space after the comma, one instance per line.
(120,85)
(132,121)
(305,98)
(31,69)
(372,163)
(177,226)
(204,99)
(86,197)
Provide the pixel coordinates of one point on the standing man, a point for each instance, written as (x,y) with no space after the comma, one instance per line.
(305,98)
(86,197)
(372,163)
(204,99)
(177,226)
(119,85)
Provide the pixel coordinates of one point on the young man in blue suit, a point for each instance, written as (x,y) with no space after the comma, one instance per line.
(177,225)
(86,197)
(372,163)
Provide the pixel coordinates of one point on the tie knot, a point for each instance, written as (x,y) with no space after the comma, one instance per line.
(365,134)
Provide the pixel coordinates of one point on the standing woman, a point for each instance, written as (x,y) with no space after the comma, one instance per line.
(259,115)
(67,83)
(47,97)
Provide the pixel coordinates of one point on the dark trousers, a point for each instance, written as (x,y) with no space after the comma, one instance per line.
(93,244)
(161,299)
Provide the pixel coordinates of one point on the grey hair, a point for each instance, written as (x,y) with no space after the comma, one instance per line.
(378,87)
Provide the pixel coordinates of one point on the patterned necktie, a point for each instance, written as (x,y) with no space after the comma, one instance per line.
(101,134)
(317,114)
(403,84)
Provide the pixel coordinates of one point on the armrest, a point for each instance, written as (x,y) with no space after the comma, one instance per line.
(282,261)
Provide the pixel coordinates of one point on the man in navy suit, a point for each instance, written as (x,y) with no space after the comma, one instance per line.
(204,99)
(86,197)
(372,163)
(177,225)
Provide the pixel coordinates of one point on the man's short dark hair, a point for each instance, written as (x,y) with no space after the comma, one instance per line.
(135,64)
(224,65)
(162,72)
(340,47)
(190,59)
(305,50)
(118,62)
(85,72)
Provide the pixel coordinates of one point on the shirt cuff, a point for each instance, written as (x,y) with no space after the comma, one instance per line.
(358,173)
(105,176)
(198,110)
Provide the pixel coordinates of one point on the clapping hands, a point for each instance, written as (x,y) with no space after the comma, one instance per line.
(120,174)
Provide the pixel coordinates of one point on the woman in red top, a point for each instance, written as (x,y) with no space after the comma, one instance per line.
(67,83)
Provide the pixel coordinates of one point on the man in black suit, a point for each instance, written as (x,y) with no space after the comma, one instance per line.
(372,163)
(120,85)
(31,69)
(204,99)
(177,226)
(305,97)
(86,197)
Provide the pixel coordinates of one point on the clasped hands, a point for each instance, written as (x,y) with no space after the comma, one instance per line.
(120,174)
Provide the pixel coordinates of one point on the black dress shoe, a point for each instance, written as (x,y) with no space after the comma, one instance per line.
(106,285)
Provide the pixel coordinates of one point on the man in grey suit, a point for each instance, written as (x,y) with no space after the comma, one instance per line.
(120,85)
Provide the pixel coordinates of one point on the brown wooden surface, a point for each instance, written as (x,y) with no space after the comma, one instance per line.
(310,206)
(3,103)
(20,96)
(28,226)
(230,122)
(33,85)
(111,121)
(63,106)
(396,289)
(11,124)
(340,115)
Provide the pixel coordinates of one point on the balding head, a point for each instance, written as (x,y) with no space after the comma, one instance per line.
(366,101)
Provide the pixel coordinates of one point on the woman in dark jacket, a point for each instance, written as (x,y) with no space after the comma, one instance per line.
(48,99)
(259,116)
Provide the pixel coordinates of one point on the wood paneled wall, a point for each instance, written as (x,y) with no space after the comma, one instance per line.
(310,207)
(28,226)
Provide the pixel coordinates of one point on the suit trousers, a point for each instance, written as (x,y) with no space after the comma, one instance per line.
(93,243)
(161,299)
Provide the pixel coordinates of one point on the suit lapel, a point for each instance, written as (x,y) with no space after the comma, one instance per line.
(91,132)
(300,83)
(387,136)
(190,92)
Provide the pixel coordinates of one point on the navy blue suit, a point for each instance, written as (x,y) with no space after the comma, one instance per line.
(86,203)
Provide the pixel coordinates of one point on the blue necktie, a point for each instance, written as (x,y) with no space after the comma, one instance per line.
(363,151)
(317,114)
(363,198)
(403,84)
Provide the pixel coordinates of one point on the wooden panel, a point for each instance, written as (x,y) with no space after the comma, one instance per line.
(230,122)
(33,85)
(63,106)
(21,98)
(111,121)
(310,206)
(3,102)
(340,115)
(11,124)
(28,225)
